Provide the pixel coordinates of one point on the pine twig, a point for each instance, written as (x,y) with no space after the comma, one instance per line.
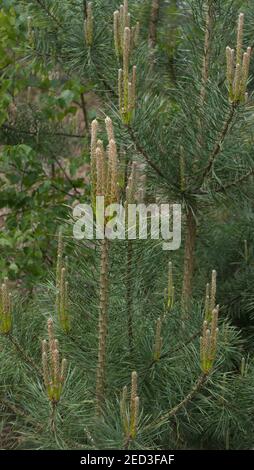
(127,442)
(178,348)
(218,145)
(173,351)
(53,417)
(170,414)
(40,2)
(236,182)
(21,413)
(143,152)
(23,354)
(198,385)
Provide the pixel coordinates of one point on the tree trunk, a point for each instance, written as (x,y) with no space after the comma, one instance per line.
(189,259)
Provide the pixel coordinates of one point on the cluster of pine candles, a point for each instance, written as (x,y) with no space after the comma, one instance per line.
(111,178)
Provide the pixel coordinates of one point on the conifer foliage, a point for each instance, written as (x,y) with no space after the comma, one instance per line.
(132,358)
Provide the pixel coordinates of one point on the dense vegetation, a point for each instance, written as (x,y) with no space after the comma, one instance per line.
(119,344)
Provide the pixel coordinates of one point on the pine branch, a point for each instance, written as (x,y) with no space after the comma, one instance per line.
(170,414)
(173,351)
(52,419)
(178,348)
(218,145)
(21,413)
(191,224)
(242,179)
(78,345)
(40,2)
(28,360)
(57,134)
(198,385)
(143,152)
(13,408)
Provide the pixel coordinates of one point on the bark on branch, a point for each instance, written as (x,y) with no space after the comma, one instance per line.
(218,145)
(183,403)
(154,18)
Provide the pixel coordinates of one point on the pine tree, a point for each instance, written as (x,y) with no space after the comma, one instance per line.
(147,367)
